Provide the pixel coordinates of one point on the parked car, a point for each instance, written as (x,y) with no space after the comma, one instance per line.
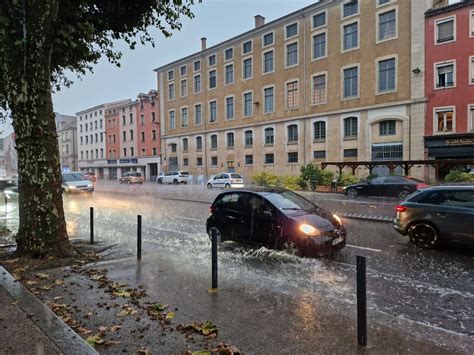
(132,177)
(6,183)
(226,181)
(276,218)
(90,176)
(76,182)
(436,214)
(174,177)
(393,186)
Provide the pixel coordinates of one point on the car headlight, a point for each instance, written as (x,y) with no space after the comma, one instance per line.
(71,187)
(308,230)
(337,218)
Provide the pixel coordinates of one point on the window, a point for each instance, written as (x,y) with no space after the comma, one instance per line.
(319,20)
(131,118)
(444,120)
(387,151)
(387,128)
(351,82)
(142,120)
(142,135)
(183,70)
(171,92)
(153,151)
(292,133)
(197,83)
(172,120)
(291,30)
(173,147)
(249,160)
(95,124)
(229,54)
(444,75)
(198,144)
(268,62)
(197,65)
(185,161)
(213,111)
(472,24)
(293,157)
(230,140)
(269,158)
(153,135)
(171,75)
(153,117)
(185,144)
(197,114)
(124,136)
(131,135)
(319,89)
(350,127)
(292,95)
(471,117)
(382,2)
(386,76)
(248,136)
(269,136)
(319,154)
(471,67)
(229,108)
(269,100)
(212,79)
(247,47)
(184,88)
(350,8)
(124,152)
(351,36)
(229,74)
(292,54)
(184,117)
(445,30)
(268,39)
(247,68)
(214,161)
(214,141)
(350,153)
(211,60)
(387,25)
(248,107)
(199,161)
(319,45)
(319,130)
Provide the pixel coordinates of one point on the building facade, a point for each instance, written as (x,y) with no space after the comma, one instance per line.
(449,82)
(335,81)
(66,127)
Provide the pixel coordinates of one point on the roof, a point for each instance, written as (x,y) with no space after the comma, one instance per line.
(106,105)
(448,8)
(453,186)
(261,190)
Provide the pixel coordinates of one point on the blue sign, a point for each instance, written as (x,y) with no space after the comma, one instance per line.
(111,161)
(124,161)
(134,160)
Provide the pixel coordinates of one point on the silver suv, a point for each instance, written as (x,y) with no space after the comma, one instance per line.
(174,177)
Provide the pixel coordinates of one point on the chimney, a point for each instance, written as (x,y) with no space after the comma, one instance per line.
(203,43)
(259,21)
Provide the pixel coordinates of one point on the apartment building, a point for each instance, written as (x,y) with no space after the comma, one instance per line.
(66,128)
(449,83)
(334,81)
(132,142)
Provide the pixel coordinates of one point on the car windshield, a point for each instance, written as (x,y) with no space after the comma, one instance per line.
(235,176)
(289,201)
(73,177)
(184,173)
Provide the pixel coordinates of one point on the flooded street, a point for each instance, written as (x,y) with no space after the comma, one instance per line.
(426,293)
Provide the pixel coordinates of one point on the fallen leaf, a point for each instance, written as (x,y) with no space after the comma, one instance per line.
(57,298)
(170,315)
(95,340)
(102,329)
(59,282)
(31,282)
(20,269)
(143,351)
(201,352)
(126,312)
(15,302)
(42,276)
(160,307)
(111,342)
(11,261)
(84,330)
(46,288)
(114,328)
(16,276)
(121,293)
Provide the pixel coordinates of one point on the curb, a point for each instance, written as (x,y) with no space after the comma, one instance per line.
(66,339)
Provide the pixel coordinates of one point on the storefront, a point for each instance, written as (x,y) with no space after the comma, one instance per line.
(113,169)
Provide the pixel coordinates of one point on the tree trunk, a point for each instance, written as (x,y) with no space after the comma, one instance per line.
(42,229)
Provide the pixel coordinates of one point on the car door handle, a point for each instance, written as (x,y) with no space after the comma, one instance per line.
(442,215)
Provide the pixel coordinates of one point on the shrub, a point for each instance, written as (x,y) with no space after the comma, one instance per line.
(326,177)
(311,175)
(347,179)
(264,178)
(289,182)
(371,176)
(458,176)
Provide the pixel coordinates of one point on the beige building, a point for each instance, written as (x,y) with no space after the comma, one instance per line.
(335,81)
(66,127)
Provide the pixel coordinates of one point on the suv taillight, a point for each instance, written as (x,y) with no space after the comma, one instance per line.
(211,209)
(401,208)
(421,186)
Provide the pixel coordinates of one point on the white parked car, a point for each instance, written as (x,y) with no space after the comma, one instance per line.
(174,177)
(226,181)
(76,182)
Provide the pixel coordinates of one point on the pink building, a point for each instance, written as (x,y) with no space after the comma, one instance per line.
(449,82)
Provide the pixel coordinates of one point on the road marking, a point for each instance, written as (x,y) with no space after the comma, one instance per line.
(363,248)
(190,219)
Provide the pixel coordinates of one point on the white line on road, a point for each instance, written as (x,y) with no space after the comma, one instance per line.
(363,248)
(190,219)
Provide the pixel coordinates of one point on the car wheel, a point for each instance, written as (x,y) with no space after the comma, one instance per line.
(352,193)
(423,235)
(403,194)
(218,233)
(175,181)
(209,186)
(291,248)
(160,181)
(227,186)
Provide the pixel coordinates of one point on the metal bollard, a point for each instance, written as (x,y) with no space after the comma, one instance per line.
(139,237)
(214,259)
(92,224)
(361,301)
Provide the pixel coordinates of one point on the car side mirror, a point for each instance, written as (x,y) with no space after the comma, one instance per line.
(267,214)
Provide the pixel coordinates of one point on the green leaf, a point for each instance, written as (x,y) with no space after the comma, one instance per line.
(160,307)
(170,315)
